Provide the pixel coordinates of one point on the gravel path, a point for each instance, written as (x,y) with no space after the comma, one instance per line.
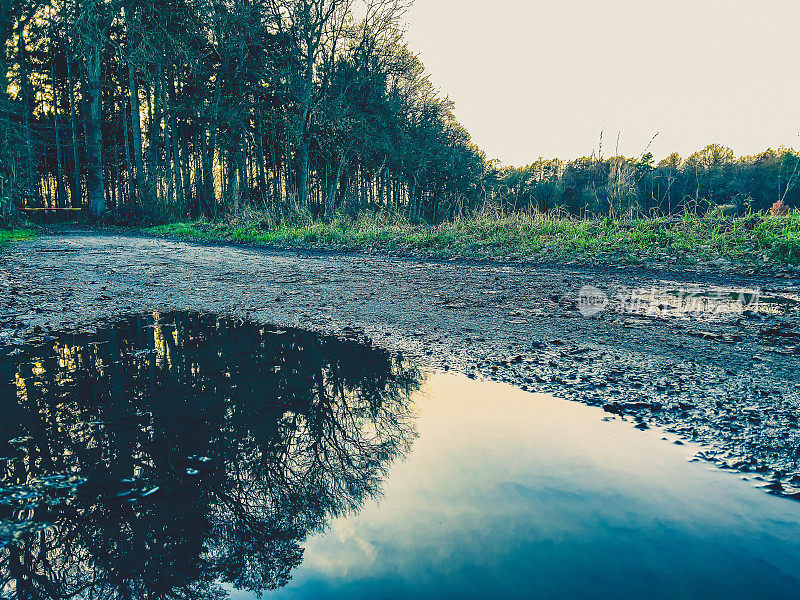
(730,382)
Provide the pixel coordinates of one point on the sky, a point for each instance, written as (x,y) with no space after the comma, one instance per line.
(535,78)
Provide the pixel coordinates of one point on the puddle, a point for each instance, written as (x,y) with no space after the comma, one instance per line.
(190,456)
(671,300)
(167,453)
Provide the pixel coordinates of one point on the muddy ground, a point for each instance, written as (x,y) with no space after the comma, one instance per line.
(729,381)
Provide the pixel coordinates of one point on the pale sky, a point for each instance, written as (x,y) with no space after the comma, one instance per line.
(543,78)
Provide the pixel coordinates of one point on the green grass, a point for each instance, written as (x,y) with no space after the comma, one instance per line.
(14,235)
(690,238)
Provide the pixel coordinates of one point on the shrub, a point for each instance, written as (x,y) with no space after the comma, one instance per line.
(779,209)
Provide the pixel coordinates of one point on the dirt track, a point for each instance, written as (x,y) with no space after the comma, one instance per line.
(730,383)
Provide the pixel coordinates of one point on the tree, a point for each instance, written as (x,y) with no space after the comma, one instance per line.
(314,28)
(94,21)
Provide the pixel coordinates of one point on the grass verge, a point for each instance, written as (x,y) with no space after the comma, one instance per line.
(14,235)
(753,239)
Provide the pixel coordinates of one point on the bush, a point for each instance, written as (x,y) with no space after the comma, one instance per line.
(144,216)
(779,209)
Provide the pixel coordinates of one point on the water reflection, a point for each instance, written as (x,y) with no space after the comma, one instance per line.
(176,455)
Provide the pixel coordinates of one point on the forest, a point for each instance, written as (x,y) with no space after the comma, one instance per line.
(153,112)
(166,109)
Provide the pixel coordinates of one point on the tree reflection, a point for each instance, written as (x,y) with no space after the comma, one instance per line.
(165,456)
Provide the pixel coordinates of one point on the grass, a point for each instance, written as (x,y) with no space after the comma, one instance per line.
(756,238)
(16,234)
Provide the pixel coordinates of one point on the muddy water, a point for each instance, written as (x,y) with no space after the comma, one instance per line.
(186,455)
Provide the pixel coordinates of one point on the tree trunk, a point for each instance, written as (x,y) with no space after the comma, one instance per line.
(334,188)
(76,163)
(26,92)
(94,130)
(129,169)
(5,35)
(8,187)
(233,183)
(210,191)
(199,172)
(154,133)
(276,174)
(305,131)
(136,124)
(149,95)
(172,121)
(185,164)
(302,172)
(262,166)
(62,194)
(240,159)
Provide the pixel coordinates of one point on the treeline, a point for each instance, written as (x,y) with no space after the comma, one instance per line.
(167,109)
(712,177)
(173,108)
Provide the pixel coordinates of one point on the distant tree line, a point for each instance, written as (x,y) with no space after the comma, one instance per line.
(198,107)
(710,178)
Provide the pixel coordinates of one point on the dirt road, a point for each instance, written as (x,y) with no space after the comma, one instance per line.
(658,353)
